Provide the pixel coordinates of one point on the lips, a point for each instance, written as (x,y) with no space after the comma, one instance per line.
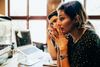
(62,29)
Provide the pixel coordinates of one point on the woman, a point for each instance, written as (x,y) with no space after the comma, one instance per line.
(52,17)
(84,49)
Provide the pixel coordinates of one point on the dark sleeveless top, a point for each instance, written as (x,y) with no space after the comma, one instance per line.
(86,51)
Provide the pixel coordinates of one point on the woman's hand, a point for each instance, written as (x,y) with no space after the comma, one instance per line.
(62,43)
(59,38)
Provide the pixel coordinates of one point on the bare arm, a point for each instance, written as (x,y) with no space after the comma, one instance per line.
(62,43)
(51,49)
(64,62)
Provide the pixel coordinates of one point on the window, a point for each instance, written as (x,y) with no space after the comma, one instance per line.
(18,7)
(37,7)
(6,7)
(32,13)
(93,7)
(19,24)
(29,14)
(96,24)
(38,30)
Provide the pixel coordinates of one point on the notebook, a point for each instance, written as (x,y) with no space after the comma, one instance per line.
(26,49)
(24,43)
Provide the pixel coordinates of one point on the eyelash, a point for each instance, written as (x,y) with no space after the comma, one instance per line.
(61,19)
(54,21)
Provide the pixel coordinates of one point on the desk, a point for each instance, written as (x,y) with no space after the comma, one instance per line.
(43,57)
(43,63)
(14,63)
(11,62)
(54,65)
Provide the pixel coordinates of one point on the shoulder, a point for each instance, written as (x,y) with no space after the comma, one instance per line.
(91,38)
(91,35)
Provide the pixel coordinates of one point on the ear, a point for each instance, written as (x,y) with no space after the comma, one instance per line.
(76,21)
(77,18)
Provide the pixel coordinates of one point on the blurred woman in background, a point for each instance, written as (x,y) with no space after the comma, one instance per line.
(52,20)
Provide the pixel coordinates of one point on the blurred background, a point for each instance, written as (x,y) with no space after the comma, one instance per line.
(32,15)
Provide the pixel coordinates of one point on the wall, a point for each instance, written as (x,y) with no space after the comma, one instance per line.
(2,7)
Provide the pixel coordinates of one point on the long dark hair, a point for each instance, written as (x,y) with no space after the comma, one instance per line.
(74,8)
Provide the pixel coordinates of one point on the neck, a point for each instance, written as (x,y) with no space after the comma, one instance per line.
(77,33)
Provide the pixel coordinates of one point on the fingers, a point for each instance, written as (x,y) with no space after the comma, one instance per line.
(59,29)
(53,33)
(56,32)
(53,36)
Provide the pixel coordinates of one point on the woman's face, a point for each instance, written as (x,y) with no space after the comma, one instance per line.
(53,21)
(65,21)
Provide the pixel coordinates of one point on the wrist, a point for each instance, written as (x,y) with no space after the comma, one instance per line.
(63,54)
(64,50)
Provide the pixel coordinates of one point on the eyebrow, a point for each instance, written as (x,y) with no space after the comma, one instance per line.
(60,15)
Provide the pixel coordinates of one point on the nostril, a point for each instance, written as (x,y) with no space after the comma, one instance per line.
(59,24)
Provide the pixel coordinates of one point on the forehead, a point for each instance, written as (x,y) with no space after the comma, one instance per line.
(53,18)
(61,13)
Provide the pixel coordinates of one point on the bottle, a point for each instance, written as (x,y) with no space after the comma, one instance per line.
(10,54)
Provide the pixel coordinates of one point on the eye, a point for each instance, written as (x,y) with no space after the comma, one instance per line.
(51,24)
(55,21)
(61,18)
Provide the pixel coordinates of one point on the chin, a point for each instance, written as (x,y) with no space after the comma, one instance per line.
(64,32)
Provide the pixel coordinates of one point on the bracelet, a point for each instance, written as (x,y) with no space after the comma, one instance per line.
(63,56)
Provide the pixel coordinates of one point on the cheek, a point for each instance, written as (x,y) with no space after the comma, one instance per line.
(54,25)
(67,25)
